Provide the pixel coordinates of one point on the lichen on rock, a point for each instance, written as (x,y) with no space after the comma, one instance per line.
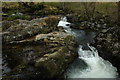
(49,54)
(25,29)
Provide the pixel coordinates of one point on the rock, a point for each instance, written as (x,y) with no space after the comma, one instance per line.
(25,29)
(43,56)
(107,42)
(7,24)
(104,30)
(58,61)
(54,64)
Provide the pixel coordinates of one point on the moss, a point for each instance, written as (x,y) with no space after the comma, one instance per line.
(11,18)
(56,62)
(68,40)
(20,68)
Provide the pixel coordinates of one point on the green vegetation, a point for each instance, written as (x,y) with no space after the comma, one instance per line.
(40,49)
(84,10)
(10,18)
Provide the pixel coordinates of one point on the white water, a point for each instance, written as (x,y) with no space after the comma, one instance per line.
(96,66)
(63,23)
(66,25)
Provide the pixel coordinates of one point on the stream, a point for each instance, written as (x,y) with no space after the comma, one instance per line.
(88,64)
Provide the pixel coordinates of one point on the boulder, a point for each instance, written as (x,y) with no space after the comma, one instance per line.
(108,44)
(45,55)
(24,28)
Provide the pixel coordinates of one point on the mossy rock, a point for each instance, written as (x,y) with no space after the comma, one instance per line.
(25,29)
(47,54)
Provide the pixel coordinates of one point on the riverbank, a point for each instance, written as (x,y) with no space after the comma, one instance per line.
(34,47)
(38,53)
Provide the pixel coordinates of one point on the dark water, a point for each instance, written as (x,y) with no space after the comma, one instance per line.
(13,55)
(82,37)
(89,63)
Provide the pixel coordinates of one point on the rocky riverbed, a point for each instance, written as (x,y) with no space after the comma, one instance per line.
(108,44)
(35,48)
(38,47)
(107,40)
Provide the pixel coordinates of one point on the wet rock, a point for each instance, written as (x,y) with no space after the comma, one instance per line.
(7,24)
(79,22)
(104,30)
(43,56)
(107,42)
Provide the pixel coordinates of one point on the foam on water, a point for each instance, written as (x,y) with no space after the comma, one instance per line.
(64,23)
(96,66)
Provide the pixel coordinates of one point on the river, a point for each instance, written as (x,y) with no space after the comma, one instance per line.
(88,64)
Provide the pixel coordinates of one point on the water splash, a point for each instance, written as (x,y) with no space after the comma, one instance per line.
(96,66)
(87,53)
(64,19)
(63,23)
(91,65)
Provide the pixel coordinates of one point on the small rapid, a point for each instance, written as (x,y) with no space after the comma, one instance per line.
(96,67)
(88,64)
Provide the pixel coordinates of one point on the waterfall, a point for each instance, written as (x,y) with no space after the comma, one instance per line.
(88,64)
(87,53)
(97,67)
(66,25)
